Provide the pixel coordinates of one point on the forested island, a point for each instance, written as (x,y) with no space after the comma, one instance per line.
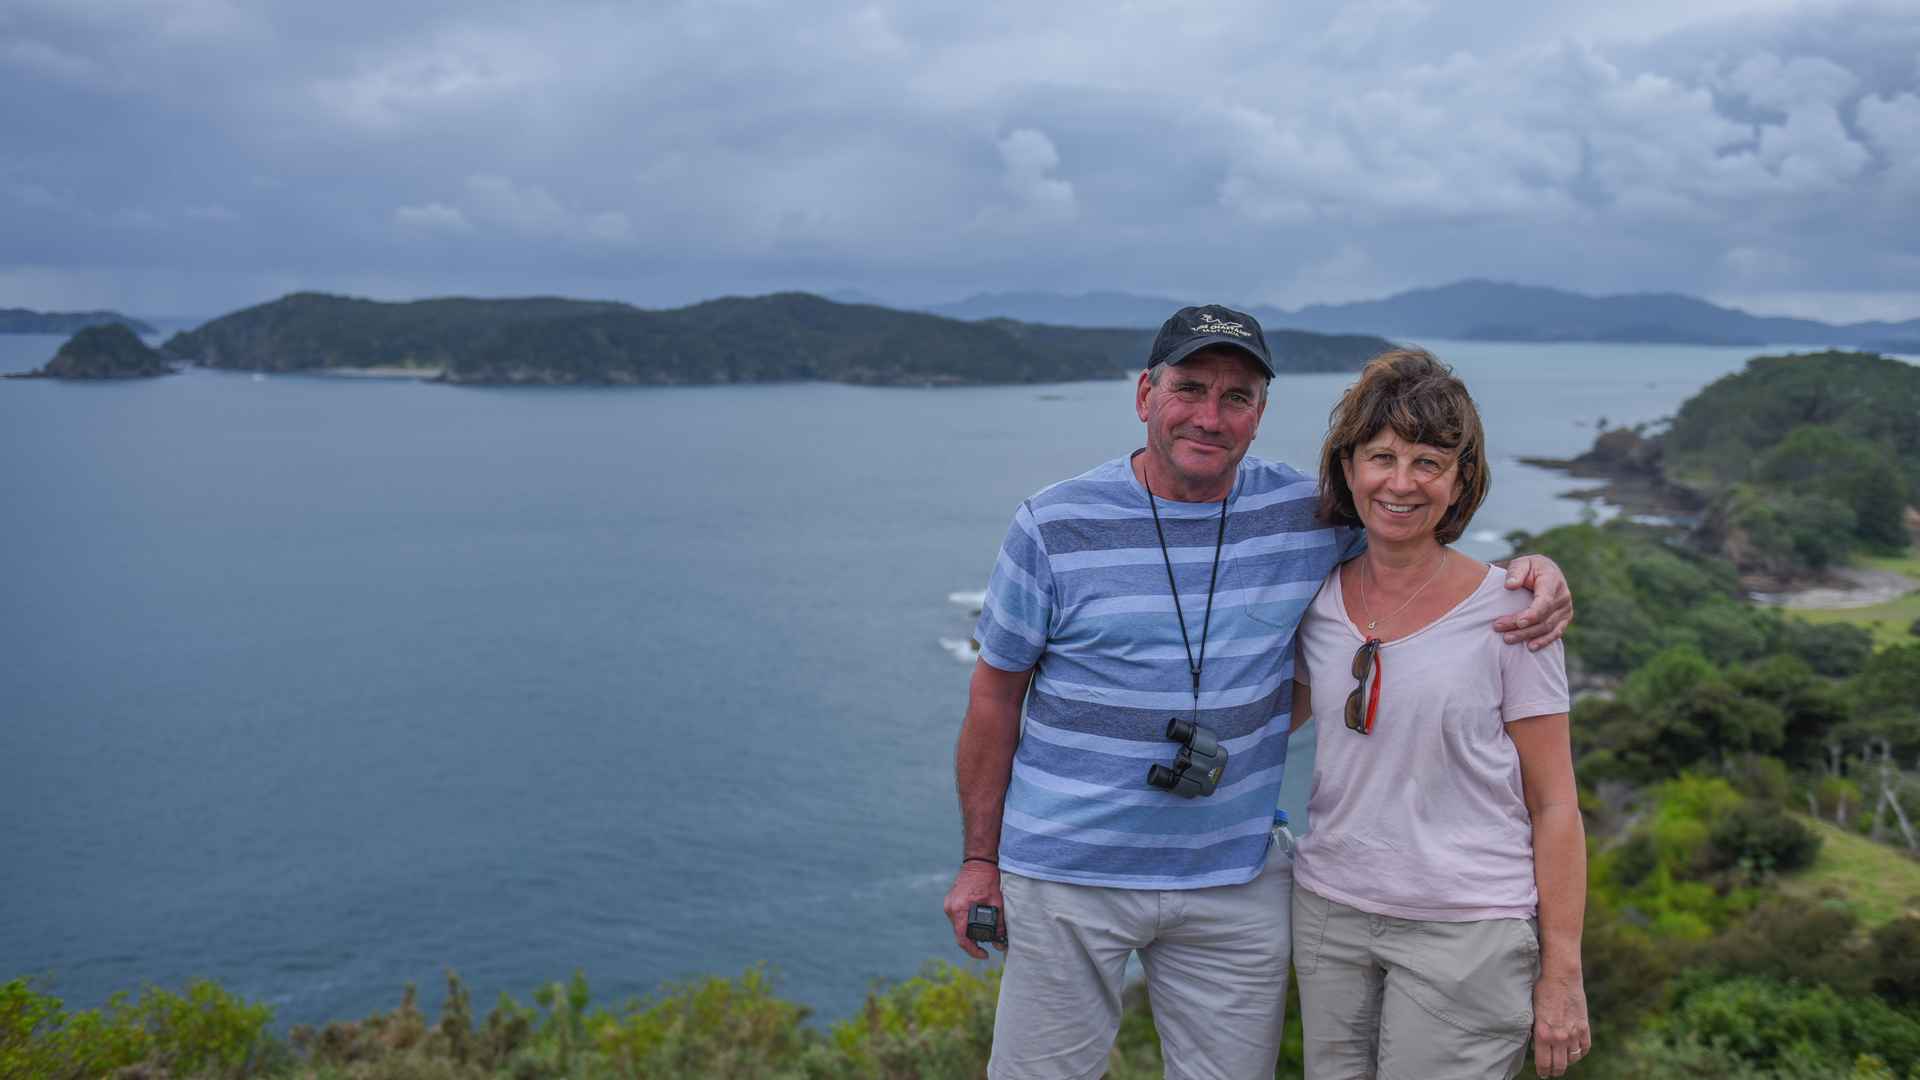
(782,337)
(108,351)
(24,321)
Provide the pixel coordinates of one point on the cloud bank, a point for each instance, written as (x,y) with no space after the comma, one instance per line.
(194,155)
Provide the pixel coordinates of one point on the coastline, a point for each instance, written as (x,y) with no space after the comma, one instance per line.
(424,373)
(1625,466)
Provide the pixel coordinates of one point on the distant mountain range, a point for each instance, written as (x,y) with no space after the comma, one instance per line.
(785,336)
(23,321)
(1472,310)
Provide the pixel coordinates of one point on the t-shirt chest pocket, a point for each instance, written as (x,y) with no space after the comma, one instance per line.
(1445,688)
(1268,599)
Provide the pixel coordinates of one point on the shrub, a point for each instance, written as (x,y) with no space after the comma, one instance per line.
(39,1039)
(1839,797)
(1760,840)
(1682,1055)
(711,1027)
(1761,778)
(1894,961)
(1615,742)
(1730,631)
(939,1024)
(1761,1023)
(1794,941)
(1835,650)
(1661,876)
(1636,860)
(1626,970)
(1670,675)
(206,1030)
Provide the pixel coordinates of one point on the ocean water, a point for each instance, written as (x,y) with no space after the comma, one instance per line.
(317,686)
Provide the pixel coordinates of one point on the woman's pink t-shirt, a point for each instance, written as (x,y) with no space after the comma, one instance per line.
(1425,818)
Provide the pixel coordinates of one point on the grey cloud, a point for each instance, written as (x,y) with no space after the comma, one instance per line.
(433,218)
(1766,80)
(1038,197)
(661,153)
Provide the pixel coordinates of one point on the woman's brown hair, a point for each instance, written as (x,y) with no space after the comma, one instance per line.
(1417,396)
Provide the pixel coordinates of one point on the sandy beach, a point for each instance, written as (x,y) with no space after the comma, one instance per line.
(380,373)
(1858,588)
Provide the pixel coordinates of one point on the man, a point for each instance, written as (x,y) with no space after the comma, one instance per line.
(1082,623)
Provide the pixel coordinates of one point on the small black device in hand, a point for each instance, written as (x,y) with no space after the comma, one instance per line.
(1196,767)
(984,924)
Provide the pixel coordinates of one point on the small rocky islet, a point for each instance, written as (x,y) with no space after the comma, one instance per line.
(109,351)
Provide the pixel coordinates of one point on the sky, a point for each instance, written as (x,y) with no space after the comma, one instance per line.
(189,157)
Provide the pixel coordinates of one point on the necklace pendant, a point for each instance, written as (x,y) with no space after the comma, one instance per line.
(1372,624)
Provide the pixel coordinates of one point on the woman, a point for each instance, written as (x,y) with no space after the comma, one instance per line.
(1443,812)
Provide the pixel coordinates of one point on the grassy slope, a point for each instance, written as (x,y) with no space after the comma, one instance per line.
(1889,622)
(1877,880)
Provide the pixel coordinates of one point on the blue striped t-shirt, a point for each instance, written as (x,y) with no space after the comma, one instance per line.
(1080,594)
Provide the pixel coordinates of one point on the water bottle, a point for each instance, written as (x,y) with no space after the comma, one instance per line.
(1282,836)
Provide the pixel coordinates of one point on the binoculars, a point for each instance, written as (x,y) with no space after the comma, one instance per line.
(1196,767)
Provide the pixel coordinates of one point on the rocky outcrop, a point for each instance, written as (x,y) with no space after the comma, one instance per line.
(1630,463)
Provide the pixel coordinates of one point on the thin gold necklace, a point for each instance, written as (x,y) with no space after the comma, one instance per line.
(1366,608)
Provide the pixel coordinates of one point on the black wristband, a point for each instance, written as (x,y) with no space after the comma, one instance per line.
(979,858)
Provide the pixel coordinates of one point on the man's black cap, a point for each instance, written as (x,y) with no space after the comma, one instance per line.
(1194,328)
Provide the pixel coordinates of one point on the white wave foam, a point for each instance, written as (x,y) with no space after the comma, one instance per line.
(972,600)
(962,649)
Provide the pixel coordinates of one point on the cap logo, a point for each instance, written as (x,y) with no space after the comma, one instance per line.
(1210,325)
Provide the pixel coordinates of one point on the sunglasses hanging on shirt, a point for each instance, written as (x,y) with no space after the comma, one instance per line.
(1363,705)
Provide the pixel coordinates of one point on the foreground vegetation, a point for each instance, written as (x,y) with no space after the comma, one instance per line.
(937,1025)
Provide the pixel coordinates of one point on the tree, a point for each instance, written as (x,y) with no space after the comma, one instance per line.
(1895,961)
(1760,840)
(1836,650)
(1890,681)
(1781,532)
(1811,707)
(1865,478)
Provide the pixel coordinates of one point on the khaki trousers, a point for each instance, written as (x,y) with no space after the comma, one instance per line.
(1402,999)
(1216,964)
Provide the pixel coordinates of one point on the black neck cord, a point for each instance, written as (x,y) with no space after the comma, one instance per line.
(1193,666)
